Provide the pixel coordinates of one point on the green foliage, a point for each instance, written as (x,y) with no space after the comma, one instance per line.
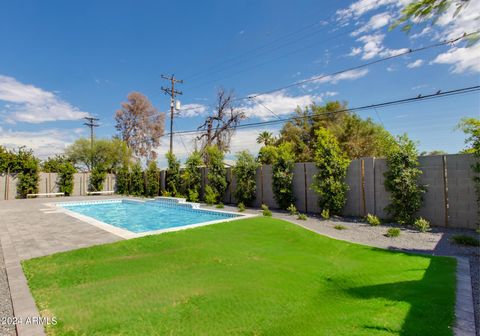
(302,216)
(292,209)
(110,153)
(192,177)
(193,196)
(172,175)
(266,211)
(97,178)
(137,181)
(217,174)
(152,176)
(53,164)
(245,172)
(28,167)
(466,240)
(123,180)
(471,127)
(8,160)
(266,138)
(329,182)
(325,214)
(282,171)
(65,177)
(267,154)
(372,220)
(220,206)
(421,224)
(211,196)
(241,207)
(401,180)
(393,232)
(340,227)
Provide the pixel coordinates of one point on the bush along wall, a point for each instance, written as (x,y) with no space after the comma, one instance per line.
(123,181)
(27,167)
(401,180)
(97,178)
(192,177)
(65,178)
(283,175)
(217,175)
(152,178)
(172,175)
(329,182)
(245,171)
(137,181)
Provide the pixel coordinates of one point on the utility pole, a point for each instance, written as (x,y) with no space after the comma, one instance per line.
(91,123)
(172,92)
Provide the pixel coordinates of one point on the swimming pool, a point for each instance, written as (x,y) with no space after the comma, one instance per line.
(141,217)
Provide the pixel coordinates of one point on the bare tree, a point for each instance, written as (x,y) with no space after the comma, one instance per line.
(140,125)
(219,128)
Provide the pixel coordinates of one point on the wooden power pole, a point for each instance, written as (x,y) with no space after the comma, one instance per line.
(172,92)
(91,122)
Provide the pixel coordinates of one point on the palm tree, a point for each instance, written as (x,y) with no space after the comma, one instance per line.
(265,138)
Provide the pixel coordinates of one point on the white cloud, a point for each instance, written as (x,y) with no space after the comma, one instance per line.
(373,47)
(361,7)
(348,75)
(376,22)
(355,51)
(415,64)
(34,105)
(192,110)
(279,102)
(44,143)
(461,59)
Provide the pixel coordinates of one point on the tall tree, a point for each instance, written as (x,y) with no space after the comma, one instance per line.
(140,125)
(266,138)
(219,128)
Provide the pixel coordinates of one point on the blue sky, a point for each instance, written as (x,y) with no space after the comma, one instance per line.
(62,60)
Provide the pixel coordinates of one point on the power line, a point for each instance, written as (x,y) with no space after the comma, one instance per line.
(172,92)
(364,65)
(258,102)
(438,94)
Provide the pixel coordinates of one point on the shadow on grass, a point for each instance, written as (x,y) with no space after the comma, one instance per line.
(431,299)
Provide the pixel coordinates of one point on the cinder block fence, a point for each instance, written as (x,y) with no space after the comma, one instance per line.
(450,200)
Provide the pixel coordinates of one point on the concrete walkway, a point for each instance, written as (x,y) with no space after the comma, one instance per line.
(29,230)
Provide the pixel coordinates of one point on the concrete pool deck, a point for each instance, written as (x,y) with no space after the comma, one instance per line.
(30,229)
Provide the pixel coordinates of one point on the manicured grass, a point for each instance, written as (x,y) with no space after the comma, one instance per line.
(258,276)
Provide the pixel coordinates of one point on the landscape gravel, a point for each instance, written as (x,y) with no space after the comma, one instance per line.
(6,310)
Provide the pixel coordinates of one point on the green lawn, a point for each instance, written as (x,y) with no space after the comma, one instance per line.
(258,276)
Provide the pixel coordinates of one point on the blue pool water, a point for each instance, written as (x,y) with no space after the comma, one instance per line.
(145,216)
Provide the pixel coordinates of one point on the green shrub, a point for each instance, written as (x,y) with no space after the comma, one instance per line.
(292,209)
(123,180)
(266,211)
(421,224)
(245,172)
(372,220)
(97,178)
(302,216)
(220,206)
(340,227)
(172,175)
(27,165)
(193,195)
(401,180)
(393,232)
(65,177)
(325,214)
(241,207)
(210,195)
(282,171)
(216,173)
(152,177)
(332,163)
(466,240)
(137,181)
(192,177)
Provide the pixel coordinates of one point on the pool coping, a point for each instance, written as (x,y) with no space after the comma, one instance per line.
(126,234)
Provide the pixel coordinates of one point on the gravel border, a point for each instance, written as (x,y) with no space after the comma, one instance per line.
(6,309)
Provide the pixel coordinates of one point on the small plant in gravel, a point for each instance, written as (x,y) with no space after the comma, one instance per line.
(466,240)
(372,220)
(421,224)
(292,209)
(393,232)
(241,207)
(340,227)
(302,216)
(266,211)
(220,206)
(325,214)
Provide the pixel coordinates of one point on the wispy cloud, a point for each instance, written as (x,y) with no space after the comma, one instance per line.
(348,75)
(27,103)
(192,110)
(373,47)
(461,59)
(415,64)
